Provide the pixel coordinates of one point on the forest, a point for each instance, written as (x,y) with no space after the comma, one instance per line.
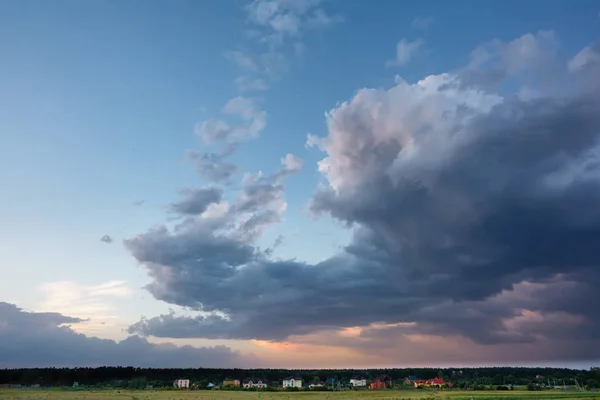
(138,378)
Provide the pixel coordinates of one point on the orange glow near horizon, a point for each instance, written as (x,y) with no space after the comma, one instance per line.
(351,332)
(278,346)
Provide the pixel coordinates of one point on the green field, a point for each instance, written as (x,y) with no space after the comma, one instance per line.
(26,394)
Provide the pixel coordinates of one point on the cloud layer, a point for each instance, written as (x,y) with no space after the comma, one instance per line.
(46,340)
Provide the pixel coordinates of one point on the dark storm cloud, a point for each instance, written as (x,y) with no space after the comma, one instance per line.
(458,197)
(41,340)
(201,250)
(196,201)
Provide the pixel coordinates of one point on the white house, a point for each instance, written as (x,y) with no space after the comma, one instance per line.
(292,381)
(316,385)
(254,383)
(181,383)
(358,381)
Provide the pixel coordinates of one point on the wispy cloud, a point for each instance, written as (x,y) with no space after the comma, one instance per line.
(218,130)
(95,304)
(274,24)
(421,23)
(248,84)
(405,51)
(242,60)
(320,19)
(288,18)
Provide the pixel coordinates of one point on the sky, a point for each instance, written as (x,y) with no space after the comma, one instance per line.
(299,183)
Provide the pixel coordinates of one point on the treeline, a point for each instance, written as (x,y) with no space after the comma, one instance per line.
(130,377)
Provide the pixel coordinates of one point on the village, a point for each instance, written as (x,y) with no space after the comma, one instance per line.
(298,383)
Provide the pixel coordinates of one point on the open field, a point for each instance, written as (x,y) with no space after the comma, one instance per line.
(26,394)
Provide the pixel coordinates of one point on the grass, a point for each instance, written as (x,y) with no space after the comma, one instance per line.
(27,394)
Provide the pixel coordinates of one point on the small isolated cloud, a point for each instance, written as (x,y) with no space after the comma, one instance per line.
(405,51)
(106,239)
(138,203)
(292,163)
(421,22)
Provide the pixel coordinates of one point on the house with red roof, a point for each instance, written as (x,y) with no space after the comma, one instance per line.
(433,382)
(414,381)
(437,382)
(378,383)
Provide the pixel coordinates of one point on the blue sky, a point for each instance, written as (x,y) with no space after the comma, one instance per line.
(100,100)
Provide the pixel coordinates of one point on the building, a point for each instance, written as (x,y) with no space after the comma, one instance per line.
(181,383)
(378,383)
(292,382)
(254,383)
(433,382)
(232,382)
(414,381)
(316,384)
(358,381)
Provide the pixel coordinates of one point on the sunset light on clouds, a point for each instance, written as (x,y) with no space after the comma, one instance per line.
(300,184)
